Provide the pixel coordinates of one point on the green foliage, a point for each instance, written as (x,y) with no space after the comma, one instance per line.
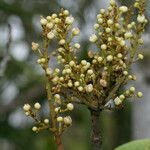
(136,145)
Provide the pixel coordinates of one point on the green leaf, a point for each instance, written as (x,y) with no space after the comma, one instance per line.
(136,145)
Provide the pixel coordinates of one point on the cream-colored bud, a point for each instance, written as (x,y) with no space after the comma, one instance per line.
(80,88)
(123,9)
(70,106)
(132,89)
(125,73)
(69,20)
(140,56)
(93,38)
(72,63)
(110,22)
(70,84)
(43,21)
(68,120)
(50,25)
(60,119)
(26,107)
(90,72)
(62,42)
(103,46)
(96,26)
(46,121)
(128,35)
(37,106)
(102,11)
(77,45)
(50,35)
(68,70)
(103,82)
(122,42)
(35,46)
(54,16)
(99,59)
(43,60)
(108,30)
(122,97)
(66,12)
(119,55)
(49,71)
(76,84)
(117,101)
(57,96)
(84,62)
(75,31)
(100,21)
(112,2)
(57,109)
(139,94)
(109,58)
(89,88)
(141,18)
(34,129)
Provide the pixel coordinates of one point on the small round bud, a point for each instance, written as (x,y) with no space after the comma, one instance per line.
(141,18)
(125,73)
(69,20)
(132,89)
(123,9)
(75,31)
(50,25)
(103,82)
(26,107)
(59,119)
(99,59)
(57,96)
(34,129)
(67,120)
(72,63)
(43,60)
(100,21)
(102,11)
(96,26)
(103,46)
(46,121)
(77,45)
(117,101)
(57,109)
(90,72)
(62,42)
(66,12)
(70,106)
(140,56)
(108,30)
(49,71)
(89,88)
(109,58)
(35,46)
(122,43)
(139,94)
(84,62)
(93,38)
(37,106)
(76,84)
(50,35)
(80,88)
(43,21)
(110,22)
(122,97)
(119,55)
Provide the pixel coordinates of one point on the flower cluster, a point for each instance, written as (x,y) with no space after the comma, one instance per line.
(97,81)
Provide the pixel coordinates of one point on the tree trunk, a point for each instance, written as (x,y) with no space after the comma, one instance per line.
(58,142)
(96,138)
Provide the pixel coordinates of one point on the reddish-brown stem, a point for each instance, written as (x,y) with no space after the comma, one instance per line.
(58,142)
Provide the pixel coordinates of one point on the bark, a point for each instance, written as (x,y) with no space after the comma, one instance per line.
(96,138)
(59,143)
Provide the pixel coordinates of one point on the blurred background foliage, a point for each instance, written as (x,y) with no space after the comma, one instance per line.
(21,80)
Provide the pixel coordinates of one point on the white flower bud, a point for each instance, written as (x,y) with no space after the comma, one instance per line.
(67,120)
(112,2)
(103,46)
(76,84)
(77,45)
(123,9)
(93,38)
(62,42)
(49,71)
(99,59)
(102,11)
(141,18)
(50,35)
(26,107)
(117,101)
(70,106)
(60,119)
(50,25)
(139,94)
(46,121)
(96,26)
(68,70)
(72,63)
(34,129)
(90,72)
(109,58)
(100,20)
(84,62)
(70,84)
(57,109)
(43,21)
(108,30)
(57,96)
(35,46)
(37,106)
(89,88)
(132,89)
(75,31)
(43,60)
(122,42)
(128,35)
(119,55)
(69,20)
(66,12)
(122,97)
(140,56)
(103,82)
(110,22)
(80,88)
(125,73)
